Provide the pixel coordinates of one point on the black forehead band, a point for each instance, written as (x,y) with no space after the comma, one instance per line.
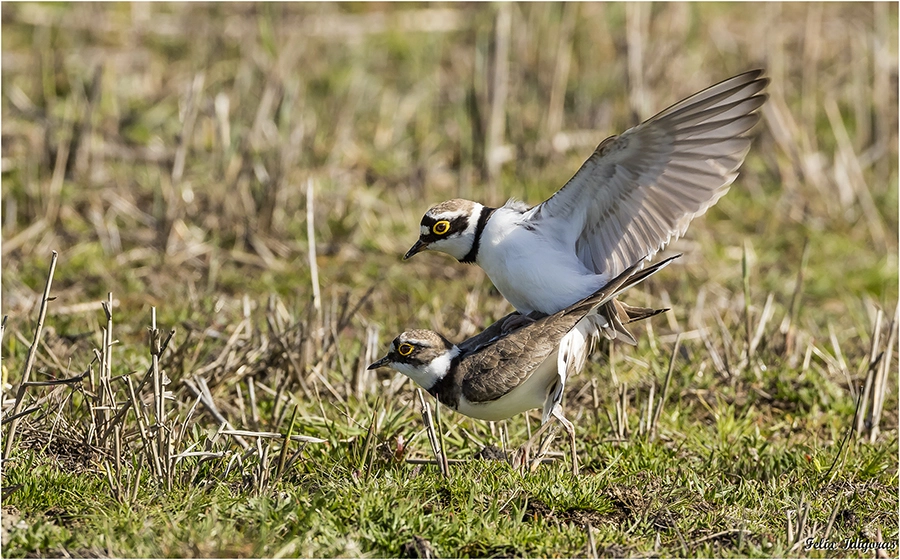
(459,223)
(411,357)
(397,342)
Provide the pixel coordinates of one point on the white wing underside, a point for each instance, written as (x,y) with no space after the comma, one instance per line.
(641,189)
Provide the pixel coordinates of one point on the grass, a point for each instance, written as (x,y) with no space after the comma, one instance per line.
(164,152)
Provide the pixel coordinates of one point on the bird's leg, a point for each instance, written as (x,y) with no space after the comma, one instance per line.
(570,429)
(522,457)
(542,450)
(524,452)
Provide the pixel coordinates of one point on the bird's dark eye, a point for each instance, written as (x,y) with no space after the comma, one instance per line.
(441,227)
(405,349)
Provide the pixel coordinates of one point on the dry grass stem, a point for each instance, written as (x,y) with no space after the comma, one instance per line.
(637,17)
(311,243)
(496,152)
(561,70)
(432,435)
(201,391)
(850,175)
(880,382)
(665,391)
(29,360)
(271,435)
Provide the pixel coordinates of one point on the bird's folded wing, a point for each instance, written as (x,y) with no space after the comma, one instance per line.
(507,363)
(640,189)
(490,370)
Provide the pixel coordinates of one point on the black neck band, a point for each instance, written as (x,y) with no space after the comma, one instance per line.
(448,389)
(482,221)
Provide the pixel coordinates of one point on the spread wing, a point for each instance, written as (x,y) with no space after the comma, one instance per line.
(512,359)
(640,189)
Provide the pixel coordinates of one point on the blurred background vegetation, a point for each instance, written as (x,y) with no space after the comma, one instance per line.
(164,149)
(178,155)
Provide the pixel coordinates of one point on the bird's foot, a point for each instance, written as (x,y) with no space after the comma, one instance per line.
(515,322)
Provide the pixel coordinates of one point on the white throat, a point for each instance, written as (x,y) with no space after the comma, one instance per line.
(428,374)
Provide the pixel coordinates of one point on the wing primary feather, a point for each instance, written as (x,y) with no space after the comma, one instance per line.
(661,173)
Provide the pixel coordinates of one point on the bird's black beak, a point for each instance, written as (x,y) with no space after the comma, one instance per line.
(417,247)
(382,362)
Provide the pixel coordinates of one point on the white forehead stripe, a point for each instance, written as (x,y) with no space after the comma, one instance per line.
(424,230)
(450,216)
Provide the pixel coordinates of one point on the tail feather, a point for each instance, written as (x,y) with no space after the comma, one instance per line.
(602,314)
(643,274)
(634,314)
(627,279)
(614,326)
(608,317)
(617,315)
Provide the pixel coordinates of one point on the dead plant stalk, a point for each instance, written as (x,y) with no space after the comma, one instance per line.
(29,361)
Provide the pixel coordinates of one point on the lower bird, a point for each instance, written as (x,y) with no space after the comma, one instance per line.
(496,376)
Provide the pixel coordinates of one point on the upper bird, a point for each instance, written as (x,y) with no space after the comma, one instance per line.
(633,195)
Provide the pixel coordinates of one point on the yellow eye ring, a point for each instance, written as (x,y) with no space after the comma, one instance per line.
(440,228)
(405,349)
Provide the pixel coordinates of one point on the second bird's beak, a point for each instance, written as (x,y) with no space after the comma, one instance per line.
(417,247)
(382,362)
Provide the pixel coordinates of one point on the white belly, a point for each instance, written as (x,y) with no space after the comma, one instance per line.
(533,272)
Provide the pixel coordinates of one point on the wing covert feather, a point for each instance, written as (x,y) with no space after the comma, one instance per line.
(508,362)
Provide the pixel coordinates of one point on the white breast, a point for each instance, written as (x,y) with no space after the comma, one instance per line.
(532,270)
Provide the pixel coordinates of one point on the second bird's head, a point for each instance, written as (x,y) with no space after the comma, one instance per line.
(422,355)
(449,227)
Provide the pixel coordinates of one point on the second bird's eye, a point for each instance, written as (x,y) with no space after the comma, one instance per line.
(405,349)
(440,228)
